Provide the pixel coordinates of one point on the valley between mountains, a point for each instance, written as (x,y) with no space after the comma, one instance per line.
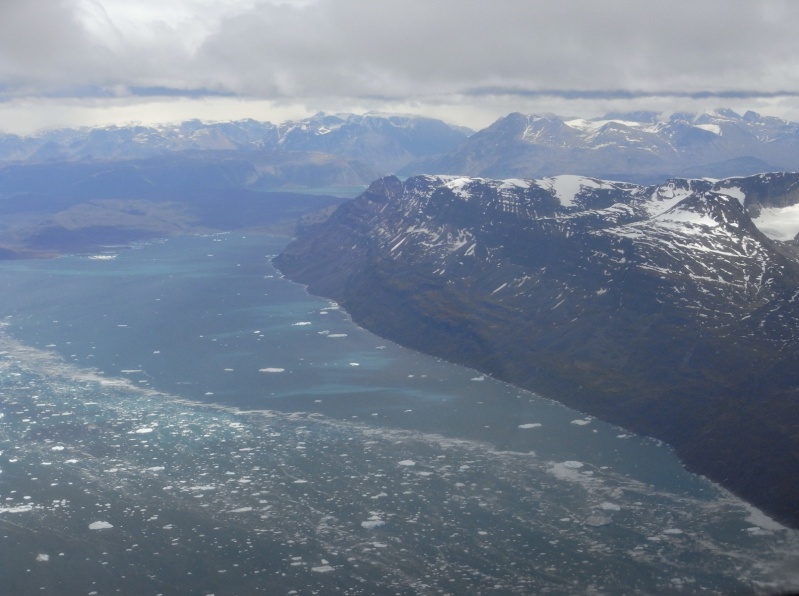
(670,309)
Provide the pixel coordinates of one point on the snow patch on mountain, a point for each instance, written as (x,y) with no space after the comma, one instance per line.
(689,216)
(593,126)
(779,223)
(567,187)
(514,183)
(459,186)
(714,128)
(735,192)
(665,197)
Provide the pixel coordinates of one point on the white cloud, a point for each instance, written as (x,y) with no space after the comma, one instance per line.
(473,59)
(187,22)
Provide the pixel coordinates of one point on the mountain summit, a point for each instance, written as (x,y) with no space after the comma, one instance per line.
(670,309)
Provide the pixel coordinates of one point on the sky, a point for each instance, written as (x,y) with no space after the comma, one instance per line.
(70,63)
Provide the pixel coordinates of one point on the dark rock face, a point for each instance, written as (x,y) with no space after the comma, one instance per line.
(664,309)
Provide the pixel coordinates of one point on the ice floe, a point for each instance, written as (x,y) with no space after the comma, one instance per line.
(100,525)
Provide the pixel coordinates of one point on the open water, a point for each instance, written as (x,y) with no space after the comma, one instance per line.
(179,419)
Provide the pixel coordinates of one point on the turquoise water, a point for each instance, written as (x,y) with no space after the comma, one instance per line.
(181,420)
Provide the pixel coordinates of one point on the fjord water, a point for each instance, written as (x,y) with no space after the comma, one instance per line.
(179,419)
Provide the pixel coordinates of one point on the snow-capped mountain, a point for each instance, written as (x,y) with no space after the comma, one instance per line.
(637,147)
(381,142)
(671,309)
(640,147)
(386,142)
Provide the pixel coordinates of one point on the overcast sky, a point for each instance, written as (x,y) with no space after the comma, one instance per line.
(86,62)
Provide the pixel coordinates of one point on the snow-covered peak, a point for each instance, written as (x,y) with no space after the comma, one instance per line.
(718,114)
(590,126)
(459,185)
(464,186)
(658,136)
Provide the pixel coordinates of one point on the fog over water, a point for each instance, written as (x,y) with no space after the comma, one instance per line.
(179,419)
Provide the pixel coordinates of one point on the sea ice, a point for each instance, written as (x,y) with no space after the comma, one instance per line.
(597,520)
(570,471)
(611,507)
(530,425)
(761,520)
(271,370)
(100,525)
(581,422)
(18,509)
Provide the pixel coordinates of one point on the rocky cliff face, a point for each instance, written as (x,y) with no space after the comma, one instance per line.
(665,309)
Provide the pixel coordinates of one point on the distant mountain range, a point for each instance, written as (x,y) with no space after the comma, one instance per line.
(635,147)
(352,150)
(81,190)
(671,309)
(371,144)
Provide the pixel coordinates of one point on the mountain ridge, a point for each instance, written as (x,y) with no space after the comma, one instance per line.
(638,147)
(383,142)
